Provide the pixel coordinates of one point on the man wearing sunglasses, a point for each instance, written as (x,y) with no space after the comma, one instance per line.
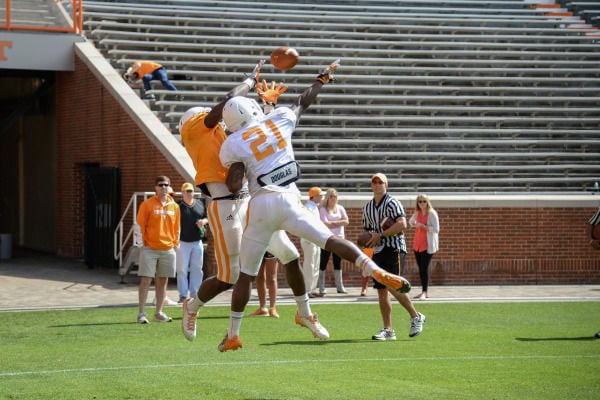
(159,222)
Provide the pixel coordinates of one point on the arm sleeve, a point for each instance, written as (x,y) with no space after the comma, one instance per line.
(433,222)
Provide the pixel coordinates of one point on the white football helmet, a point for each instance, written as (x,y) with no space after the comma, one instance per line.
(240,111)
(190,113)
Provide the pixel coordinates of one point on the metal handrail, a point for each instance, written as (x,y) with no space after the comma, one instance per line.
(76,20)
(119,242)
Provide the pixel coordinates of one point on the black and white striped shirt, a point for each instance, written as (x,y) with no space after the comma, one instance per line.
(374,213)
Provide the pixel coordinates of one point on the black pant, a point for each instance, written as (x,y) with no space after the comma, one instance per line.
(337,261)
(423,259)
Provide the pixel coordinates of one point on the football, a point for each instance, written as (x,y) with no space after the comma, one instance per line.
(363,238)
(386,223)
(284,58)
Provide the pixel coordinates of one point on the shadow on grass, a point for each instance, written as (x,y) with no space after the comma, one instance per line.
(131,322)
(577,338)
(314,342)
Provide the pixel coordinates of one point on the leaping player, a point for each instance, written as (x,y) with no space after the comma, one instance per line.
(260,148)
(202,136)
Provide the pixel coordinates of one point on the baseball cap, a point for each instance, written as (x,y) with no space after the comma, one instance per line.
(187,186)
(381,177)
(314,191)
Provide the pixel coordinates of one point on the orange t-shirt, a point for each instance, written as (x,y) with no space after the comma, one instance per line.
(203,145)
(146,67)
(159,223)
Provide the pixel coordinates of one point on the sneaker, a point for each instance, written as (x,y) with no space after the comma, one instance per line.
(385,334)
(182,299)
(149,97)
(416,325)
(166,302)
(169,302)
(162,317)
(141,318)
(312,323)
(273,313)
(261,312)
(228,343)
(390,280)
(188,321)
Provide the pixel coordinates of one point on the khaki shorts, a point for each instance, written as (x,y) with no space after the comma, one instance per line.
(160,263)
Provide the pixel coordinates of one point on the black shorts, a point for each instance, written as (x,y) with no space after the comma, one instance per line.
(390,260)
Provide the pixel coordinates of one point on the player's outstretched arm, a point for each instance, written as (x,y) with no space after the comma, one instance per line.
(216,113)
(310,94)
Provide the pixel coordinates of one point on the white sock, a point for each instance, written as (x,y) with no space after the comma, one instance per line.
(365,263)
(235,321)
(194,305)
(303,306)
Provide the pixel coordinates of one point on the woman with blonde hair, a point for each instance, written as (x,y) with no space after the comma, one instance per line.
(425,243)
(335,218)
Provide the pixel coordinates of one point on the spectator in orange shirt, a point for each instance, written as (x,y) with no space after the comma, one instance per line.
(148,71)
(159,222)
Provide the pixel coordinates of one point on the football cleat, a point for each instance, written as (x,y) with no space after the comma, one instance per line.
(188,321)
(312,323)
(228,343)
(392,281)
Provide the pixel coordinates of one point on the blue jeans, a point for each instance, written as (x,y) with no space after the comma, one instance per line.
(159,74)
(190,256)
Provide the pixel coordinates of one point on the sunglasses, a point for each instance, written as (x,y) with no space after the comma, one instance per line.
(422,201)
(377,182)
(189,191)
(163,185)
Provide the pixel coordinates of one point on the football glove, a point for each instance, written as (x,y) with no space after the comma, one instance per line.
(270,94)
(326,75)
(256,71)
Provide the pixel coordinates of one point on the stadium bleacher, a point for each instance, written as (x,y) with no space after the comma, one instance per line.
(453,96)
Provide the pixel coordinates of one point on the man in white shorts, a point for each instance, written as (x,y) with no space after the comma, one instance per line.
(260,147)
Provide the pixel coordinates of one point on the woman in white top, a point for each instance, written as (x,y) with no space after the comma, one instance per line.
(425,243)
(335,218)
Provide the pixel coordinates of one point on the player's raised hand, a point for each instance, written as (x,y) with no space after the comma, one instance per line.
(270,94)
(326,75)
(256,71)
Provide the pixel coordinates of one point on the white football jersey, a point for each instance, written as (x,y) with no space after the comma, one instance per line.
(265,148)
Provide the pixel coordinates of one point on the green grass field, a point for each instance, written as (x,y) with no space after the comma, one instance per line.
(466,351)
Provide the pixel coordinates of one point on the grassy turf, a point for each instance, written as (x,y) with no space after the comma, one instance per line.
(466,351)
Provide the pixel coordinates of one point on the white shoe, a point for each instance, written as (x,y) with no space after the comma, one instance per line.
(416,325)
(166,302)
(188,321)
(312,322)
(162,317)
(385,334)
(141,318)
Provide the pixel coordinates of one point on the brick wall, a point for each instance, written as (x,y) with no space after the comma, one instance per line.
(518,244)
(93,128)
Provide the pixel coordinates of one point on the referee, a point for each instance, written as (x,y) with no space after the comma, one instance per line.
(389,251)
